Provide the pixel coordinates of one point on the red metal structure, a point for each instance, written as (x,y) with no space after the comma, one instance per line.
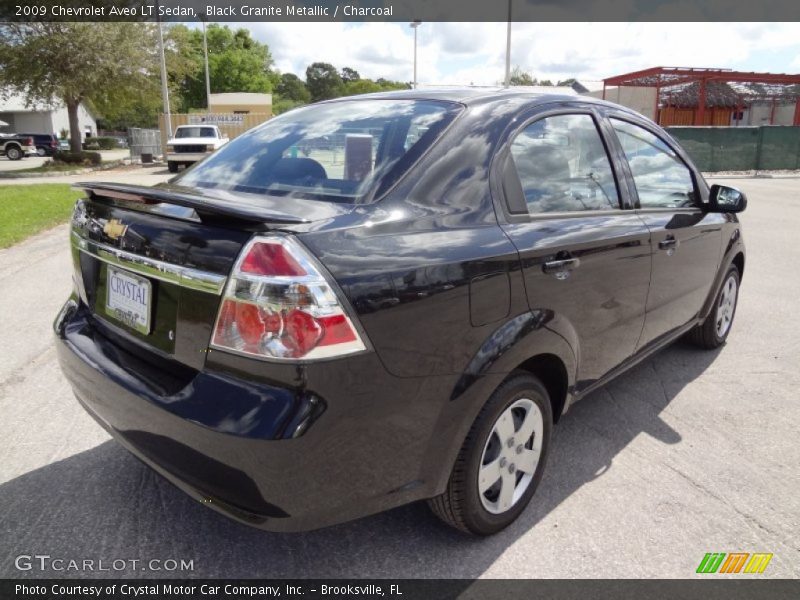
(773,86)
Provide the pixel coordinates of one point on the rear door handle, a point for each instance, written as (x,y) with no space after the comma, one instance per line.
(561,265)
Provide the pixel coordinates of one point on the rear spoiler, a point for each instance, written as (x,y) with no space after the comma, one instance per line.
(243,209)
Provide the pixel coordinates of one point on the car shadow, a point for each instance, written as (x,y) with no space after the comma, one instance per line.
(104,504)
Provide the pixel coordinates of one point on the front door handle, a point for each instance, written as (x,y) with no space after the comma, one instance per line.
(668,243)
(561,265)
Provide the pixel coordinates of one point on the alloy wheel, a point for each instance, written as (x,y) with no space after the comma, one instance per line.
(726,307)
(510,456)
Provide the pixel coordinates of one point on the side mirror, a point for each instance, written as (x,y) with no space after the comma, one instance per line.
(724,199)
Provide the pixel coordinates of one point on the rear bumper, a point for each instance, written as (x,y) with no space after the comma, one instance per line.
(186,156)
(281,466)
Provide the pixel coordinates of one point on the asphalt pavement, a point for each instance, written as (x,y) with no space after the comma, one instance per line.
(688,453)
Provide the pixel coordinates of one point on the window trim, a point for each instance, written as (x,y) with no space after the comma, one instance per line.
(503,154)
(637,205)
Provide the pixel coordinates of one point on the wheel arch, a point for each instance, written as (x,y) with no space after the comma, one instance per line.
(534,342)
(738,260)
(552,372)
(539,342)
(734,256)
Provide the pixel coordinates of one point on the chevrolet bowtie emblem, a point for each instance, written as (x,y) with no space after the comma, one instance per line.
(115,229)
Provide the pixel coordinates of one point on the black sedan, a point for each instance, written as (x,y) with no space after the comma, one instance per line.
(377,300)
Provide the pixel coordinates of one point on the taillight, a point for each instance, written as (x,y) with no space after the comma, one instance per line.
(278,305)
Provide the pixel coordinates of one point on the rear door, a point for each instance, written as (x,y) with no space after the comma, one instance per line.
(585,255)
(686,240)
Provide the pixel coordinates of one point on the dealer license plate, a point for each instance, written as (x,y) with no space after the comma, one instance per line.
(128,299)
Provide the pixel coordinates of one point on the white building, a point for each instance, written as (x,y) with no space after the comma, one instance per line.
(41,117)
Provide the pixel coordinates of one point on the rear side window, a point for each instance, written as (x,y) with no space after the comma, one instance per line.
(563,166)
(339,151)
(662,179)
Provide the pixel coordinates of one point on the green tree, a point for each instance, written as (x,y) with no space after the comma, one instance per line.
(388,84)
(361,86)
(77,62)
(291,87)
(281,105)
(367,86)
(236,63)
(349,75)
(138,107)
(520,77)
(323,81)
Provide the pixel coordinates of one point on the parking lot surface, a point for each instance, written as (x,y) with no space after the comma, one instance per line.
(688,453)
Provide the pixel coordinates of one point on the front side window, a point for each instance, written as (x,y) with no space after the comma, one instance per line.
(662,179)
(563,166)
(340,151)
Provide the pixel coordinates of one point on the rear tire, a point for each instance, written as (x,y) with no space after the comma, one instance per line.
(473,502)
(172,166)
(41,151)
(713,332)
(14,152)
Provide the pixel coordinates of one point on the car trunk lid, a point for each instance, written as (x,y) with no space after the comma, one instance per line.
(151,263)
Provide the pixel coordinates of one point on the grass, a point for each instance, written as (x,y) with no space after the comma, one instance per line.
(29,209)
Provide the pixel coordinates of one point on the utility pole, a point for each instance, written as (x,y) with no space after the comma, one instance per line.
(414,25)
(508,48)
(164,89)
(208,79)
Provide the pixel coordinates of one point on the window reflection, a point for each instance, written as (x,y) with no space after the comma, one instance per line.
(661,178)
(563,166)
(338,151)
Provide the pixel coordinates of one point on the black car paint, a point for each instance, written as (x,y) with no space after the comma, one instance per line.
(447,282)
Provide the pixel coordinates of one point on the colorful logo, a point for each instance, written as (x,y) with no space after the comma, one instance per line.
(734,562)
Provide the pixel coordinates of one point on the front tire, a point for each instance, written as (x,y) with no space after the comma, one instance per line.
(502,460)
(172,166)
(41,151)
(713,332)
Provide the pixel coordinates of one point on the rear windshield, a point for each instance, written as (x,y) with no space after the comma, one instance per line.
(342,152)
(189,132)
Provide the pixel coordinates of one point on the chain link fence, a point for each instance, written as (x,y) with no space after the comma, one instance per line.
(144,144)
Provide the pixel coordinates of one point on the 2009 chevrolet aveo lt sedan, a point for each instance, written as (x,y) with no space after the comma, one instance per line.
(377,300)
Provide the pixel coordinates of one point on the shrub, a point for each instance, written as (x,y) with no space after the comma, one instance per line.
(77,158)
(101,143)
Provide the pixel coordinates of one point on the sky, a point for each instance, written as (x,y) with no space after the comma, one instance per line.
(474,53)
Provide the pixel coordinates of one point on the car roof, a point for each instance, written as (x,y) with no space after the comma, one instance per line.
(472,95)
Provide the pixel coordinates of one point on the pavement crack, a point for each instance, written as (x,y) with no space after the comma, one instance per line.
(755,525)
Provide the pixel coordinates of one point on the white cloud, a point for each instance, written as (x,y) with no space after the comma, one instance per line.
(464,53)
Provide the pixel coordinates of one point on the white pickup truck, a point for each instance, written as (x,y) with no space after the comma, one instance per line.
(192,143)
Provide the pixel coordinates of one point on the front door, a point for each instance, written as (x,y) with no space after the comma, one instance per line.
(686,241)
(586,260)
